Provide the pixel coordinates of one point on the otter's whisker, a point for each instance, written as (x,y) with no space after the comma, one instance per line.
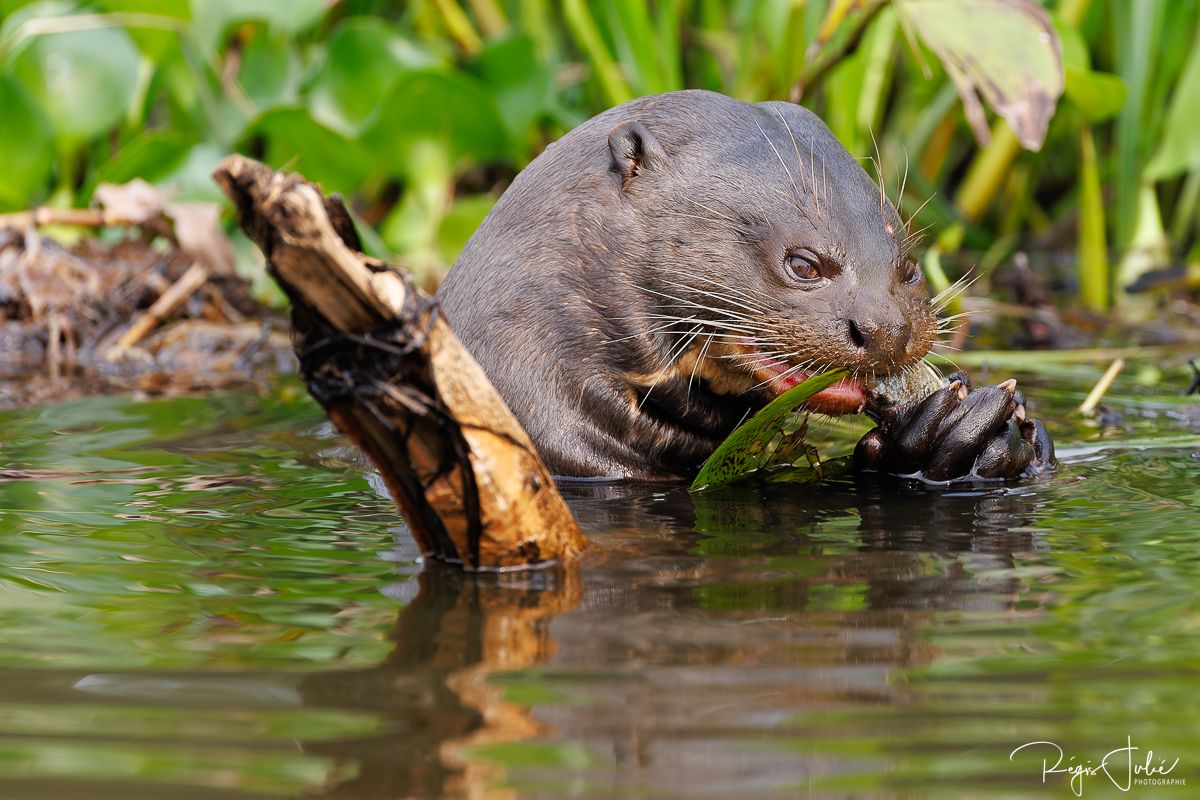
(687,395)
(656,329)
(743,291)
(672,356)
(693,304)
(812,178)
(788,172)
(693,201)
(735,307)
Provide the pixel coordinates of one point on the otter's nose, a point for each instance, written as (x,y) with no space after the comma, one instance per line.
(877,339)
(857,336)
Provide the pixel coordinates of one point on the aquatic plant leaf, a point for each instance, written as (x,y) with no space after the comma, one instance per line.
(1179,149)
(524,87)
(1005,50)
(83,79)
(295,139)
(363,58)
(744,451)
(26,151)
(151,155)
(454,111)
(212,18)
(1097,95)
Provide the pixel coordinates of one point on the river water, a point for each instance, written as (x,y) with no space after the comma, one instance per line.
(205,598)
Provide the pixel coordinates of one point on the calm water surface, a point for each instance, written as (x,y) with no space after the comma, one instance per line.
(233,612)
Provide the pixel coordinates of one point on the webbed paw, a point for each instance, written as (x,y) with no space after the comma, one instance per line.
(955,433)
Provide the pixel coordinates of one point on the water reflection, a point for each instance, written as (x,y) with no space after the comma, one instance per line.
(705,623)
(434,687)
(175,629)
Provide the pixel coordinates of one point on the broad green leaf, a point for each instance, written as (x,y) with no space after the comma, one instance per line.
(523,87)
(297,143)
(152,155)
(270,69)
(155,41)
(1179,149)
(460,222)
(453,111)
(192,181)
(1097,95)
(363,58)
(85,79)
(212,18)
(1005,50)
(26,148)
(748,447)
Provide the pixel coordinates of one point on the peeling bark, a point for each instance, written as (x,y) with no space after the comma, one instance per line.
(394,378)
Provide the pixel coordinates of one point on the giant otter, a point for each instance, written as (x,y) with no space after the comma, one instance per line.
(668,266)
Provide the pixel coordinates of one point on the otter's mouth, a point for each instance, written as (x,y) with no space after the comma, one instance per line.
(847,396)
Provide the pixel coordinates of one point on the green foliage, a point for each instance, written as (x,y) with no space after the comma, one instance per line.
(422,112)
(26,151)
(754,444)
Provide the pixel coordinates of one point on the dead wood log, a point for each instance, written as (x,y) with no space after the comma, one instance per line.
(394,378)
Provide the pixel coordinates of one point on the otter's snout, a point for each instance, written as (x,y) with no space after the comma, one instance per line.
(881,345)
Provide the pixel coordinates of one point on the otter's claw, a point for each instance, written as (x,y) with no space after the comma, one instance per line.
(955,433)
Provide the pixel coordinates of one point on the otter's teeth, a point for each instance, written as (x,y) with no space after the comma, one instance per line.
(957,388)
(1009,385)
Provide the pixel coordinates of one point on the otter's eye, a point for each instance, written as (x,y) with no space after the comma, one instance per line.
(912,271)
(804,268)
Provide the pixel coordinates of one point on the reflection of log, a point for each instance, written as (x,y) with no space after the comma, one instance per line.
(394,378)
(434,687)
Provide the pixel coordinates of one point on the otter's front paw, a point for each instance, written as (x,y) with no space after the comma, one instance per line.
(956,433)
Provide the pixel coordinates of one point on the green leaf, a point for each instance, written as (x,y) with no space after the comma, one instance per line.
(1097,95)
(26,149)
(83,79)
(460,222)
(212,18)
(297,143)
(744,451)
(523,87)
(154,42)
(450,110)
(151,155)
(1005,50)
(363,58)
(270,69)
(1179,149)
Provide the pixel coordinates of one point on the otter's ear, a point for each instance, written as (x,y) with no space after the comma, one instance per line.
(634,149)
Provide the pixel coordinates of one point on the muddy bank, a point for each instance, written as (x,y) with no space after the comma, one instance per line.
(135,315)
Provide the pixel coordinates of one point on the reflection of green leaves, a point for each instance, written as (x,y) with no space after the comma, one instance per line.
(26,153)
(748,447)
(454,111)
(84,80)
(294,141)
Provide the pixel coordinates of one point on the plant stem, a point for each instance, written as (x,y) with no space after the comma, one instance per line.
(1094,275)
(613,85)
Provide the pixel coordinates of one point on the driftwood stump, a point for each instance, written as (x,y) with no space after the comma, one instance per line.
(394,378)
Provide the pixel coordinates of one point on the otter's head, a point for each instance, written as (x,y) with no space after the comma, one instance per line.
(774,254)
